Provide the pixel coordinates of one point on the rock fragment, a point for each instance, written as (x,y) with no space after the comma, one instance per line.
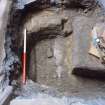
(68,28)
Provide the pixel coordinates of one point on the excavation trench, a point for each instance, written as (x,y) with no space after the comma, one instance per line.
(49,49)
(50,44)
(46,60)
(46,50)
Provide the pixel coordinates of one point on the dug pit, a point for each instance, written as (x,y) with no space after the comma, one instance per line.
(49,49)
(50,41)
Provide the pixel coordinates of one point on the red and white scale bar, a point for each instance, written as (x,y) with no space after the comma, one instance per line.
(24,59)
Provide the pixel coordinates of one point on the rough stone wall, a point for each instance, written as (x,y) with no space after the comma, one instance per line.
(47,25)
(50,50)
(4,15)
(49,44)
(55,23)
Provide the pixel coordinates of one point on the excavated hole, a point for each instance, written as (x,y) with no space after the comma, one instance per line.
(49,62)
(49,48)
(49,55)
(48,58)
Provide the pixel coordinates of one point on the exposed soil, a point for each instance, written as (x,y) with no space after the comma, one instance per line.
(47,70)
(50,43)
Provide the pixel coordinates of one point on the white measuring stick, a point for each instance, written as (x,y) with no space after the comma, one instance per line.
(24,59)
(24,40)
